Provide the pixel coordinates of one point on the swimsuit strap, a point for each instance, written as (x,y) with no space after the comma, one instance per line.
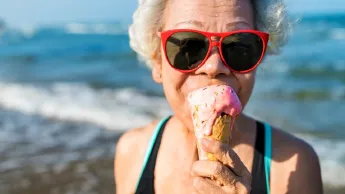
(268,154)
(150,156)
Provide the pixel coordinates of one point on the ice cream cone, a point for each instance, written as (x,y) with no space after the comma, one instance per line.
(214,109)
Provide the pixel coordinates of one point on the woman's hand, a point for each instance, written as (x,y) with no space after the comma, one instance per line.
(227,175)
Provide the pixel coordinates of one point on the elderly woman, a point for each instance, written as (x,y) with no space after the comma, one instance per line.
(191,44)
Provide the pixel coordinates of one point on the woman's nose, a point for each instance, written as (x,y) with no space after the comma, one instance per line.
(213,65)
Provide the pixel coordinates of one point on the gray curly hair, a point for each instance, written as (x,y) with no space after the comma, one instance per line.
(270,16)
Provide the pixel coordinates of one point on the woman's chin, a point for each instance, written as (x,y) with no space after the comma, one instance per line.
(185,122)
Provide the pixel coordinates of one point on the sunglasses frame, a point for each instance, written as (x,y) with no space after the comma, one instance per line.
(164,35)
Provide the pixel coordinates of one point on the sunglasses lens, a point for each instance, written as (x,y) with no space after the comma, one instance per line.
(242,51)
(186,50)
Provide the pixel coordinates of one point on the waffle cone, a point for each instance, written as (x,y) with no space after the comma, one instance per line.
(220,132)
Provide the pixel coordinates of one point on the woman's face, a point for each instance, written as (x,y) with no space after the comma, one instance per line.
(211,16)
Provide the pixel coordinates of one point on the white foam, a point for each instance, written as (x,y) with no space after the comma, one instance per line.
(28,31)
(338,33)
(80,28)
(127,108)
(69,28)
(113,109)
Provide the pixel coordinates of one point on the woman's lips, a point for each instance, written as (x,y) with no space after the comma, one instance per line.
(223,114)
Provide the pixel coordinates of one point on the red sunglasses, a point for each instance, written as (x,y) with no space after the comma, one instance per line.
(187,50)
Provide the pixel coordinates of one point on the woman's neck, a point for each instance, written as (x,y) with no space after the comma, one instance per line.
(243,128)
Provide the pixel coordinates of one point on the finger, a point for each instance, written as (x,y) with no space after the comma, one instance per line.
(206,186)
(238,188)
(214,170)
(227,156)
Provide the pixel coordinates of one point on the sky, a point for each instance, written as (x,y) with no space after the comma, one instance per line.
(38,12)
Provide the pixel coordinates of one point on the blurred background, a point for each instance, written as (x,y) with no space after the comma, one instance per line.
(70,85)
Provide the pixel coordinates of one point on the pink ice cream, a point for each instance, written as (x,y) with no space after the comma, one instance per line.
(209,103)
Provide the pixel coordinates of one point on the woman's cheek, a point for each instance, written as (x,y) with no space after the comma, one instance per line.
(246,82)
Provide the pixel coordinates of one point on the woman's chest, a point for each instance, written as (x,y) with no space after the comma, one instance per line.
(173,171)
(177,182)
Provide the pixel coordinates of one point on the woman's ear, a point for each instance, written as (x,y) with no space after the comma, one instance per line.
(157,71)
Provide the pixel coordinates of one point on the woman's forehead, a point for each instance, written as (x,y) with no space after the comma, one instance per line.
(213,15)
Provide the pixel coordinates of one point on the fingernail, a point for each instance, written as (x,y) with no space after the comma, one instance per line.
(206,142)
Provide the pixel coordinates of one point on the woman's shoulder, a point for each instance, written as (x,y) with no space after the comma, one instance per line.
(287,145)
(129,156)
(134,141)
(135,138)
(295,164)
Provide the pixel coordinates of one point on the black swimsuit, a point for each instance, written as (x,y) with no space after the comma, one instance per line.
(261,162)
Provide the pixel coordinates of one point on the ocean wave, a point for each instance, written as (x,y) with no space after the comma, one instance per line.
(76,28)
(304,66)
(122,109)
(80,28)
(310,94)
(113,109)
